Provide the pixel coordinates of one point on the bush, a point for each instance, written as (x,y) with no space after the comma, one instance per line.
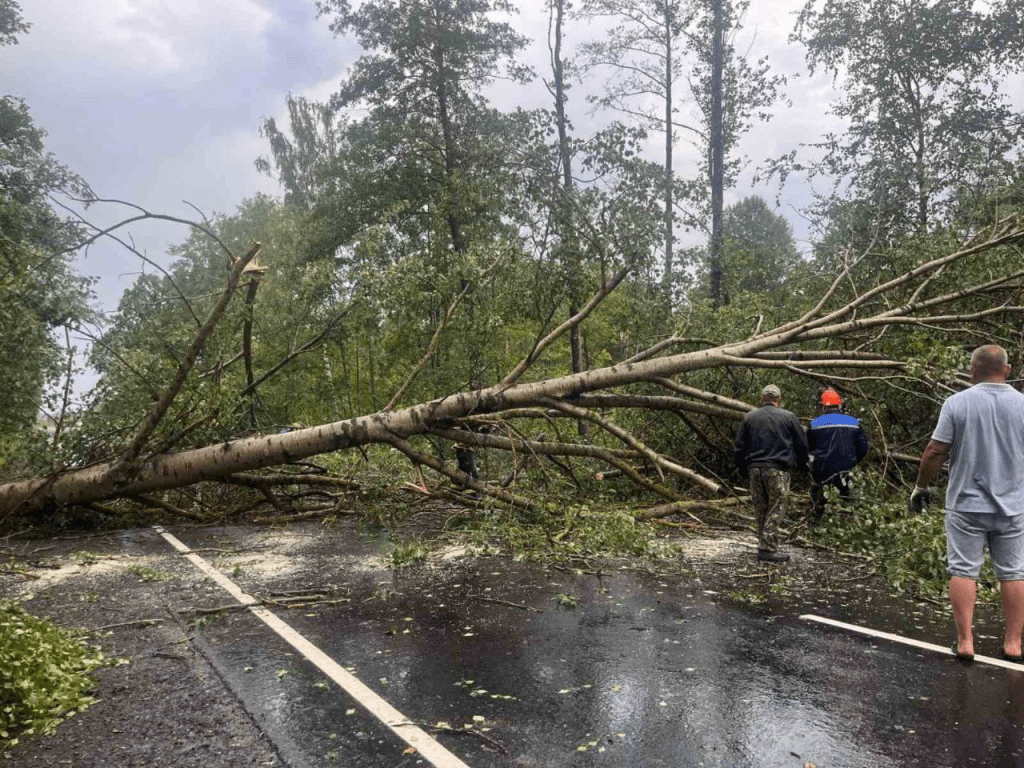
(44,674)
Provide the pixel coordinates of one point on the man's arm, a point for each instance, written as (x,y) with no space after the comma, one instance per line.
(934,455)
(931,463)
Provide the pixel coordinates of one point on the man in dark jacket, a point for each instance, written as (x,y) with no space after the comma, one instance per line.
(770,444)
(837,443)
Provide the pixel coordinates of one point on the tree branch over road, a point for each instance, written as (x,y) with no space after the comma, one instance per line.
(589,395)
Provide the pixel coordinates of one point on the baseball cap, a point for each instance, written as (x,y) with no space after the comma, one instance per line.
(772,391)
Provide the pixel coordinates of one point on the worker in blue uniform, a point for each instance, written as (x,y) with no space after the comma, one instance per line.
(837,443)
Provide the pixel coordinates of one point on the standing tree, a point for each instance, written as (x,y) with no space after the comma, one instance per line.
(645,49)
(39,290)
(716,150)
(730,91)
(11,22)
(425,66)
(654,45)
(759,253)
(570,244)
(927,120)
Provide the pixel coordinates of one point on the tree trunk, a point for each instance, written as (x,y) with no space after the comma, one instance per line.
(575,339)
(900,300)
(717,148)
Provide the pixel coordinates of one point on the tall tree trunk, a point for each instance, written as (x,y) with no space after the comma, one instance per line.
(575,340)
(450,160)
(717,148)
(669,137)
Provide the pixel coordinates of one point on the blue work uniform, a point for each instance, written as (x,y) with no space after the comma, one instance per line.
(837,442)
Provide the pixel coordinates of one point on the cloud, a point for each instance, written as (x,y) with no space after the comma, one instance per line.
(155,101)
(147,39)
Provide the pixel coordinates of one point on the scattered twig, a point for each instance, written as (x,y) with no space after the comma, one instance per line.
(454,731)
(17,572)
(800,541)
(505,602)
(153,501)
(312,514)
(281,601)
(136,623)
(218,609)
(165,655)
(867,575)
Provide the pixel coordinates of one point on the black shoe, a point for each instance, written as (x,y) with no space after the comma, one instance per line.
(767,556)
(1010,657)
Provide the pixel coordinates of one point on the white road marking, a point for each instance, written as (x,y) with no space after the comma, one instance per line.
(909,641)
(425,744)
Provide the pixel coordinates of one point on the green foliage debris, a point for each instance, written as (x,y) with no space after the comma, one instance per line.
(145,573)
(409,553)
(909,552)
(580,532)
(44,674)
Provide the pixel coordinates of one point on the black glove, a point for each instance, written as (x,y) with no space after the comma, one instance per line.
(920,500)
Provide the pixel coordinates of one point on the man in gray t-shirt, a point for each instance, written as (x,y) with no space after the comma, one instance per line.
(981,430)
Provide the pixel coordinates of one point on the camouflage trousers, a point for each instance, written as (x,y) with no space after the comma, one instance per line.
(769,492)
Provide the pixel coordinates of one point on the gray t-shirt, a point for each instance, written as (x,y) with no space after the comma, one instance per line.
(984,426)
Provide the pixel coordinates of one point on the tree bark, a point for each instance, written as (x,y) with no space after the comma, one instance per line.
(872,309)
(717,149)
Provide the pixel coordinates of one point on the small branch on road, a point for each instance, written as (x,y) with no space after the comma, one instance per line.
(17,572)
(123,624)
(218,609)
(454,731)
(505,602)
(293,601)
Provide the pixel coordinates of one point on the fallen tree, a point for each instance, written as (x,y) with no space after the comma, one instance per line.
(795,347)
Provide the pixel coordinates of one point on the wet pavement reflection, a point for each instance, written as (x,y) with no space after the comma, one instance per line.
(522,665)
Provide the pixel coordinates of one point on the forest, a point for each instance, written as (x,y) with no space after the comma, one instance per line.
(532,323)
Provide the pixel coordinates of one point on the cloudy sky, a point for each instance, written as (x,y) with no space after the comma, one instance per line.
(159,101)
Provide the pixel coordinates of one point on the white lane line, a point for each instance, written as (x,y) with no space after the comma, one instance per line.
(909,641)
(425,744)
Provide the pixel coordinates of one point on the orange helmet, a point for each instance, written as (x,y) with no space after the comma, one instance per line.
(831,397)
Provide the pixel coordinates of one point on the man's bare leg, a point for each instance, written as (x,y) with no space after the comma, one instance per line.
(962,594)
(1013,614)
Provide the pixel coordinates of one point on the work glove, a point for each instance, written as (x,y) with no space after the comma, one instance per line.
(920,500)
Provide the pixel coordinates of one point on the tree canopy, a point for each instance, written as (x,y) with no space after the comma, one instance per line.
(40,293)
(11,22)
(929,122)
(443,275)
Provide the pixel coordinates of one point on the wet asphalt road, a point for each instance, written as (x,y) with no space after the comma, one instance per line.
(619,670)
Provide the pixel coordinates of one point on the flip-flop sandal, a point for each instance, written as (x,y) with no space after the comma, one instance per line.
(1016,659)
(964,658)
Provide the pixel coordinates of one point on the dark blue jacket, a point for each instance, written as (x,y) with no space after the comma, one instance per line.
(837,442)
